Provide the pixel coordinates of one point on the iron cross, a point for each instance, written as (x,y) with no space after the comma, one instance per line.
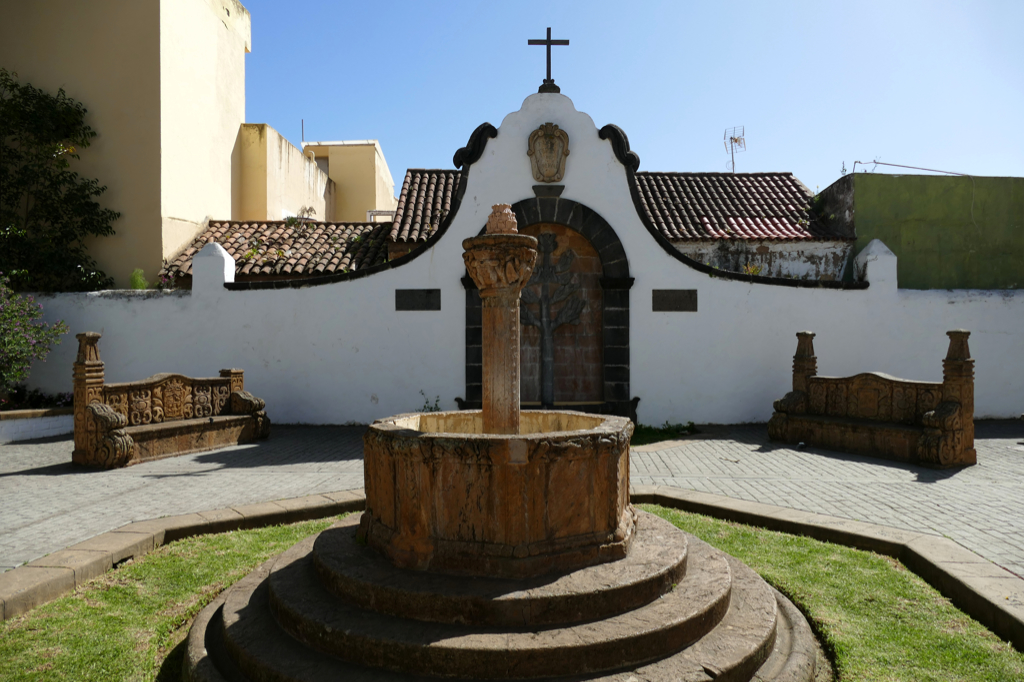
(548,42)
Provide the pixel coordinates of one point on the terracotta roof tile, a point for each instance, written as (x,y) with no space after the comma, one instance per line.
(275,249)
(425,200)
(700,206)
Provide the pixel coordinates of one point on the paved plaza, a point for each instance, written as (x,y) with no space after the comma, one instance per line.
(47,504)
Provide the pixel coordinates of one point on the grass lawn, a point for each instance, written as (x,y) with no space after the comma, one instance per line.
(878,620)
(130,624)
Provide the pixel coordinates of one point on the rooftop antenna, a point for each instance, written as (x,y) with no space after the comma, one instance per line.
(735,141)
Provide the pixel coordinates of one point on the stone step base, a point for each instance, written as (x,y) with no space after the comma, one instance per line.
(363,578)
(720,621)
(307,612)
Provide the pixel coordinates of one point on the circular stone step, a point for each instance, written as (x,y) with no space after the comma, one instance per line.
(311,614)
(360,576)
(237,639)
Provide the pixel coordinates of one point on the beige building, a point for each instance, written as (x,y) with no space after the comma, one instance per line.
(164,84)
(366,190)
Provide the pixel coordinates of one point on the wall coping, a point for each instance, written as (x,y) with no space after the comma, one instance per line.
(34,414)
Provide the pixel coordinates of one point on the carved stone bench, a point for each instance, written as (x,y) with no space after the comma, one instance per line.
(117,425)
(875,414)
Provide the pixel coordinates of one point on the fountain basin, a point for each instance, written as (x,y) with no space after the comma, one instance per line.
(441,495)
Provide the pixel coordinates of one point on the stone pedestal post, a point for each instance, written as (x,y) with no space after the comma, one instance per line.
(88,388)
(958,383)
(500,263)
(805,363)
(237,378)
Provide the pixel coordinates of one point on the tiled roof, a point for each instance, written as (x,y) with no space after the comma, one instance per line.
(425,200)
(683,206)
(701,206)
(274,249)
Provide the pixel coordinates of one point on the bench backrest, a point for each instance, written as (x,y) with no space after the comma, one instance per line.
(872,396)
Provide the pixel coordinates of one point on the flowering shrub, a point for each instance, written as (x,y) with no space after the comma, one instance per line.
(22,337)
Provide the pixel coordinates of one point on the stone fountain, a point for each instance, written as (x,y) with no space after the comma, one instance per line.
(497,544)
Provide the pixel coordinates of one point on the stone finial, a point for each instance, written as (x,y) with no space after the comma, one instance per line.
(805,345)
(88,351)
(502,220)
(805,363)
(958,348)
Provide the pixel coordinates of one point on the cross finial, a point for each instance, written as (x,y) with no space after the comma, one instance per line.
(549,83)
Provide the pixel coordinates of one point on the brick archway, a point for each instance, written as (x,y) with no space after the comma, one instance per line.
(614,281)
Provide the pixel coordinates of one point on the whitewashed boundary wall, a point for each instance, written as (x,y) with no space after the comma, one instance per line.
(340,352)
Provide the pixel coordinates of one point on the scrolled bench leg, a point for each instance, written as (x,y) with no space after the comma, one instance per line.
(113,447)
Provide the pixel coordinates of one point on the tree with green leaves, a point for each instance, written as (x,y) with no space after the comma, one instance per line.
(46,209)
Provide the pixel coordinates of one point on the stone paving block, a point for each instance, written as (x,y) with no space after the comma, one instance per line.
(25,588)
(168,528)
(997,602)
(86,563)
(870,537)
(739,511)
(310,507)
(353,500)
(262,514)
(120,545)
(221,520)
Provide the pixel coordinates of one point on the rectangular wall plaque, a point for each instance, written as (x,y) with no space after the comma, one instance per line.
(417,299)
(674,300)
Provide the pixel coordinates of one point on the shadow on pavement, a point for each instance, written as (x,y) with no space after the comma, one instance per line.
(291,445)
(924,474)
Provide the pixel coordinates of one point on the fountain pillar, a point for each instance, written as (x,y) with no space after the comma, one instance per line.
(500,263)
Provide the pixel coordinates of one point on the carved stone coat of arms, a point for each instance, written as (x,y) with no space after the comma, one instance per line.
(547,150)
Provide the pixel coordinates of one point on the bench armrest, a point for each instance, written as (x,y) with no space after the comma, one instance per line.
(114,447)
(243,402)
(794,402)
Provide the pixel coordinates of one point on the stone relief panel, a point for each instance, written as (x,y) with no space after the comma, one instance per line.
(547,148)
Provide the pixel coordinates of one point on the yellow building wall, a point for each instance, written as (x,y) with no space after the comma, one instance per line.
(202,104)
(275,180)
(105,54)
(164,84)
(361,176)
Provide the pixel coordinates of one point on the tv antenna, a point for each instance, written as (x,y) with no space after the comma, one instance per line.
(735,141)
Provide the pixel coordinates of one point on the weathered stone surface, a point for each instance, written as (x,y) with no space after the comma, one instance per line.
(25,588)
(441,495)
(308,612)
(167,414)
(547,148)
(500,263)
(360,576)
(754,634)
(876,414)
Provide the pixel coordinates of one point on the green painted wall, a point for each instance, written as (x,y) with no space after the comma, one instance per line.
(948,232)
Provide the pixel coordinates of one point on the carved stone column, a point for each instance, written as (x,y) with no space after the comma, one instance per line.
(958,384)
(500,263)
(805,363)
(88,388)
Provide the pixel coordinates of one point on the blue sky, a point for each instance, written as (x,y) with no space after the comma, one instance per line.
(816,84)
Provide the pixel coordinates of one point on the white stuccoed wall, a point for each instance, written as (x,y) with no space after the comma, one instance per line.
(340,352)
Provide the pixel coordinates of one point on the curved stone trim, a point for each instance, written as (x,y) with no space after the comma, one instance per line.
(474,149)
(615,281)
(620,145)
(631,161)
